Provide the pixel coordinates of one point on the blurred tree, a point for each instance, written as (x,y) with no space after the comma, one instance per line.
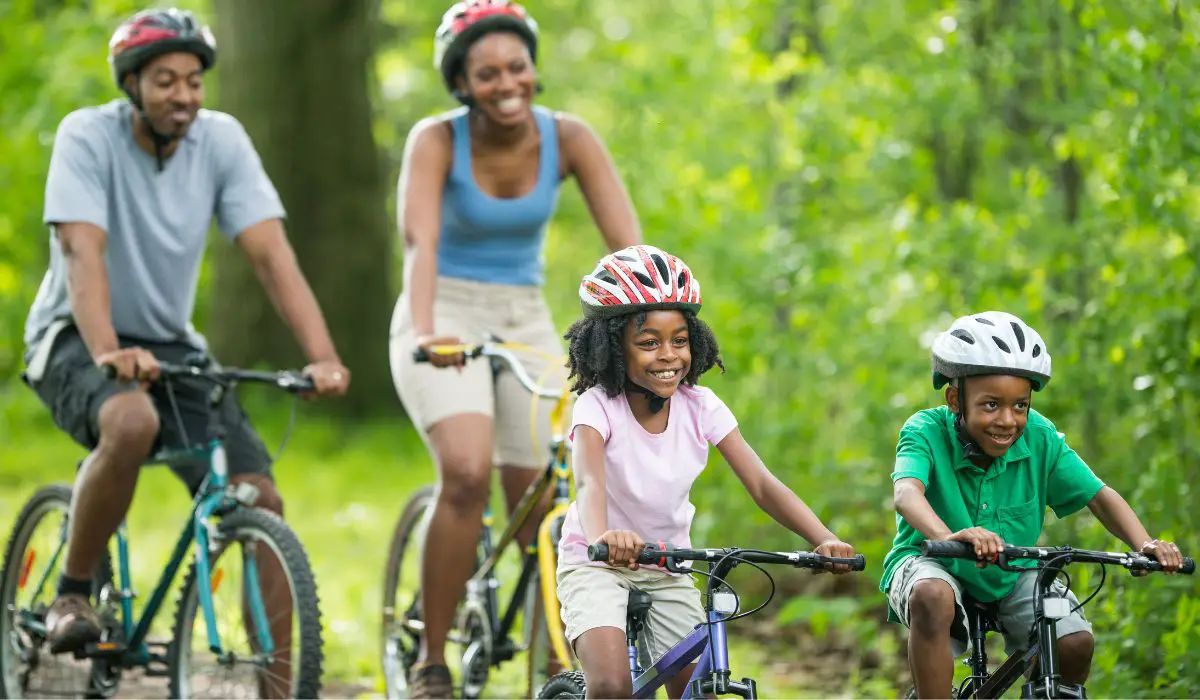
(298,75)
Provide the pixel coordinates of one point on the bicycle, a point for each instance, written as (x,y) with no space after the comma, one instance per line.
(482,627)
(1049,607)
(220,515)
(708,642)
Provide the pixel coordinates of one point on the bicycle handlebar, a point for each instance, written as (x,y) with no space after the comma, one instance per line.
(1134,561)
(495,350)
(289,380)
(667,554)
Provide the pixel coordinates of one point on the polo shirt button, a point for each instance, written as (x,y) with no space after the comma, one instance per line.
(985,506)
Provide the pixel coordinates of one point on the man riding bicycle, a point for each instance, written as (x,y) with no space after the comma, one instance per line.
(131,192)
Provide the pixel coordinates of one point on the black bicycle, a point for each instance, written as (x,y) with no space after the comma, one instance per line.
(1040,661)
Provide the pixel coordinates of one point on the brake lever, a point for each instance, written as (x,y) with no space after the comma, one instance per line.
(1003,565)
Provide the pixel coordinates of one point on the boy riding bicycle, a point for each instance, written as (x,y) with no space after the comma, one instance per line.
(982,469)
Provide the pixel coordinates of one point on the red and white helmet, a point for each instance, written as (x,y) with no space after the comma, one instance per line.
(468,20)
(640,277)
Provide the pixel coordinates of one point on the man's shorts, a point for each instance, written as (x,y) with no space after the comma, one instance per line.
(74,389)
(467,309)
(598,596)
(1014,611)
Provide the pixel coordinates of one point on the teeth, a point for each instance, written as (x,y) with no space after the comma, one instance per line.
(667,374)
(510,104)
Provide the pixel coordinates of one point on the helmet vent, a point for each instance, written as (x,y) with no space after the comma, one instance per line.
(1002,345)
(607,277)
(643,278)
(984,321)
(626,258)
(1037,350)
(683,279)
(662,266)
(963,336)
(1020,335)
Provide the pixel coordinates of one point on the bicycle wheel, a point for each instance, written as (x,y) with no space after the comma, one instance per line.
(400,628)
(285,580)
(28,584)
(569,685)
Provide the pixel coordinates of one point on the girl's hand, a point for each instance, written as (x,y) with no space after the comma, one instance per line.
(624,546)
(834,548)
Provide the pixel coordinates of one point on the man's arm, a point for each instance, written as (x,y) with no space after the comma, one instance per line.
(274,262)
(87,284)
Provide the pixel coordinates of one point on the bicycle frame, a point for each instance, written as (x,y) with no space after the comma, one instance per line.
(539,554)
(710,645)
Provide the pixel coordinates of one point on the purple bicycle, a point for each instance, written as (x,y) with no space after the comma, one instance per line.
(707,643)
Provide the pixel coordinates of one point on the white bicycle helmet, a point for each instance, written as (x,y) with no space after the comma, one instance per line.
(640,277)
(992,342)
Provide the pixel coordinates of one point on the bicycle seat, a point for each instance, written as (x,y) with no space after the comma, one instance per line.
(985,613)
(639,605)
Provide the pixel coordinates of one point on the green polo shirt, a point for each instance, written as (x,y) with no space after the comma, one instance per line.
(1009,498)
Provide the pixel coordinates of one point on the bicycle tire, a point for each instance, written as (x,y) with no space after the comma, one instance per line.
(306,681)
(105,676)
(395,658)
(565,686)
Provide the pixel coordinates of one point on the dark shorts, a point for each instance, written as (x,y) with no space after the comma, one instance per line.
(74,389)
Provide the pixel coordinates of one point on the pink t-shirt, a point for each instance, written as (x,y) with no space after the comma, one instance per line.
(647,477)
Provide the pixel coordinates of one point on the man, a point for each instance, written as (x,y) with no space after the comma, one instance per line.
(130,195)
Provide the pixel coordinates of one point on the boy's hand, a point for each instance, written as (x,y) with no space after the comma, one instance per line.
(624,546)
(987,544)
(834,548)
(1166,553)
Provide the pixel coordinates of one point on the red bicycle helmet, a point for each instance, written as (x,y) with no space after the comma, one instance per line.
(152,33)
(467,21)
(638,278)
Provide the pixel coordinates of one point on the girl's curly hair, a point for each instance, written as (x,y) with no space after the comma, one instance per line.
(596,353)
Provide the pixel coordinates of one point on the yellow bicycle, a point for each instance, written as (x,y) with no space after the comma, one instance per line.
(482,629)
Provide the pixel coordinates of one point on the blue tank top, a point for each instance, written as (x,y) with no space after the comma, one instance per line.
(487,239)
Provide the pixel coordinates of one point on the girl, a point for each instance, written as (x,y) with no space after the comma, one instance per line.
(641,428)
(477,187)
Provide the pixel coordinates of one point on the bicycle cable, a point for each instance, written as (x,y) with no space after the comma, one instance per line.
(287,433)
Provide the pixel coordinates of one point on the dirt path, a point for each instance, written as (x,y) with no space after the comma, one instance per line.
(136,686)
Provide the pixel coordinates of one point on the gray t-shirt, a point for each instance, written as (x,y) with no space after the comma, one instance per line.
(157,222)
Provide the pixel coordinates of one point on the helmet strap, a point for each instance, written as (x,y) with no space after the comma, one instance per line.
(160,141)
(656,401)
(971,449)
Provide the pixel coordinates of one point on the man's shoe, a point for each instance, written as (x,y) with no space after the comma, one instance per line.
(72,624)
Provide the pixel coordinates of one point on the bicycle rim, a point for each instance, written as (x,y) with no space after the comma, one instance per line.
(400,627)
(289,605)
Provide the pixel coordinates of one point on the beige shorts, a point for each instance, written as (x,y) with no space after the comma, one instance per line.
(598,596)
(469,309)
(1014,611)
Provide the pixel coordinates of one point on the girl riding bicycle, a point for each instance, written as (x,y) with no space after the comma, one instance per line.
(982,470)
(477,188)
(641,431)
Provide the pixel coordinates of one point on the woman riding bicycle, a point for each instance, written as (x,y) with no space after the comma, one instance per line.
(477,187)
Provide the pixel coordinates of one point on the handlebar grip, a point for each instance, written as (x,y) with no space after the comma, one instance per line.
(1189,566)
(860,563)
(598,552)
(947,550)
(108,371)
(419,355)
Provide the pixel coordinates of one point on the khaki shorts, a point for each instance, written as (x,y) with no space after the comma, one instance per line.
(1014,611)
(598,596)
(469,309)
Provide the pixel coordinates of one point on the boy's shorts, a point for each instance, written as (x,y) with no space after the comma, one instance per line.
(598,596)
(1014,611)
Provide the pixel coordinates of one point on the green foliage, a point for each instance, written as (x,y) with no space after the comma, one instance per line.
(844,181)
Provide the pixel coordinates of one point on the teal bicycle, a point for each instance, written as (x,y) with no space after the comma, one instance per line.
(248,571)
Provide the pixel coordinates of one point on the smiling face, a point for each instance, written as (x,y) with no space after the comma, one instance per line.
(997,409)
(499,75)
(658,353)
(171,88)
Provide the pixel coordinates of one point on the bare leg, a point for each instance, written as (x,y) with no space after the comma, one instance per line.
(604,655)
(931,610)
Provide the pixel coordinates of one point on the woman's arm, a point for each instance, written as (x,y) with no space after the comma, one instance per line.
(427,159)
(607,200)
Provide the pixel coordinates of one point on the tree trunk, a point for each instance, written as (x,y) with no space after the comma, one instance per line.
(297,76)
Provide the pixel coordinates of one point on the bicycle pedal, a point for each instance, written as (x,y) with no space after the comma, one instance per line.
(98,650)
(157,665)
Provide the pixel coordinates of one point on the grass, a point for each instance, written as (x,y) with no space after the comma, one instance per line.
(344,487)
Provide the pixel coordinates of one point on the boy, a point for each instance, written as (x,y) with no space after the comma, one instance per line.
(982,469)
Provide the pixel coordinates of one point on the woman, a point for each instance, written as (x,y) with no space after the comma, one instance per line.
(476,190)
